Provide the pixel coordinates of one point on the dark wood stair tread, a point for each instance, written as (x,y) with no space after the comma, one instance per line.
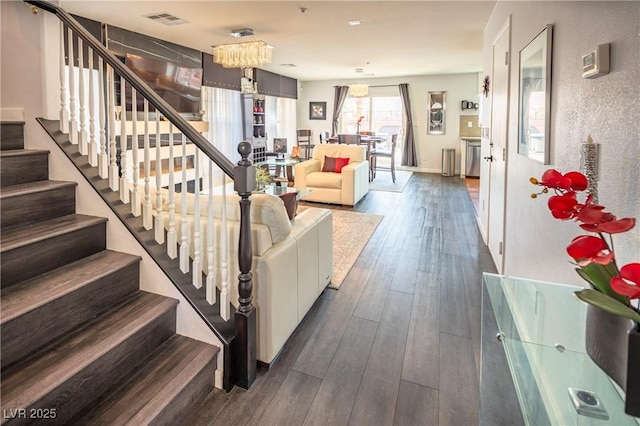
(42,374)
(31,294)
(33,187)
(6,153)
(26,235)
(160,379)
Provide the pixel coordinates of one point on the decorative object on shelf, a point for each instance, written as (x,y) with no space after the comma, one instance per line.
(317,110)
(263,178)
(468,105)
(535,97)
(436,114)
(295,152)
(485,86)
(589,159)
(612,289)
(358,90)
(358,124)
(248,54)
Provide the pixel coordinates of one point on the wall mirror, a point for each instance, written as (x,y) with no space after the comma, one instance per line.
(437,107)
(535,97)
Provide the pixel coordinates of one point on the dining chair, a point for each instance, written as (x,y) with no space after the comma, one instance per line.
(304,142)
(324,137)
(390,154)
(349,139)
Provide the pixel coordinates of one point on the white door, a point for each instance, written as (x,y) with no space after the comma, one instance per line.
(498,145)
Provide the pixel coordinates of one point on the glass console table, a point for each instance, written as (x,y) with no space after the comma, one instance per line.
(541,328)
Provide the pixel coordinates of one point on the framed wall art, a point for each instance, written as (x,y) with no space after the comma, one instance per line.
(535,97)
(317,110)
(436,113)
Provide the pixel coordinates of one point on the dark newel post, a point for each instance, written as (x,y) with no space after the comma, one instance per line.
(244,175)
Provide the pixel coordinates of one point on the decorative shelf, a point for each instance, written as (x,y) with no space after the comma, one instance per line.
(542,329)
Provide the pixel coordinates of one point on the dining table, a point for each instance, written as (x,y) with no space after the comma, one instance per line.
(369,142)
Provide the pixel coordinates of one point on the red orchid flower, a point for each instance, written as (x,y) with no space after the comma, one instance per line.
(613,226)
(563,206)
(586,249)
(628,283)
(554,179)
(360,119)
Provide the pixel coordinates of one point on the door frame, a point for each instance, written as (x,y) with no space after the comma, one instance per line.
(506,28)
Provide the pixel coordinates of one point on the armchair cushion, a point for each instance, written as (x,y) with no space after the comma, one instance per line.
(333,164)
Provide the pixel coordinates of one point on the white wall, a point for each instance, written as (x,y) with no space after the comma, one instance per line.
(24,76)
(605,108)
(459,87)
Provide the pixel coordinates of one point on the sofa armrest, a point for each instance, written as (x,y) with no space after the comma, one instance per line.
(301,171)
(355,182)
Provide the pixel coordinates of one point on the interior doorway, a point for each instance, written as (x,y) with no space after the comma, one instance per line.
(497,158)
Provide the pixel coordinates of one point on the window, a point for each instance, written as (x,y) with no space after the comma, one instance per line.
(382,114)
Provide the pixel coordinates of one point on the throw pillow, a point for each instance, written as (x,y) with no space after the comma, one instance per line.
(335,165)
(290,200)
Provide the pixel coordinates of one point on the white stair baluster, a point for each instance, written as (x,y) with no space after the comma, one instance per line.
(147,216)
(172,239)
(93,145)
(114,179)
(136,207)
(124,179)
(159,223)
(211,274)
(82,141)
(73,125)
(184,227)
(103,157)
(197,244)
(64,114)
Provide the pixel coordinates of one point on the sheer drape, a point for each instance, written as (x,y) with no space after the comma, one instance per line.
(341,93)
(409,157)
(280,119)
(223,111)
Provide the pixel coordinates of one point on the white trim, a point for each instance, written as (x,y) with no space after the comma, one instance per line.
(15,115)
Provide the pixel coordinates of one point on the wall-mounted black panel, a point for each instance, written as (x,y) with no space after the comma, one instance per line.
(95,29)
(273,84)
(215,75)
(121,42)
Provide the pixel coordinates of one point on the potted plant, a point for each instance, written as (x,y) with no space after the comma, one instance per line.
(263,178)
(613,322)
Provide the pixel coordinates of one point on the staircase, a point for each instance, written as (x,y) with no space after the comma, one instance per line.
(81,344)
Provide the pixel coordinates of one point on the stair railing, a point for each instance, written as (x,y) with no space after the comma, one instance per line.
(110,139)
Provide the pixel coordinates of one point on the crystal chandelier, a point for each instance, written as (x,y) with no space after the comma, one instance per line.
(242,55)
(358,90)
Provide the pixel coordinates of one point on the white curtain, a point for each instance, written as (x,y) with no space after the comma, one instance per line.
(223,111)
(280,118)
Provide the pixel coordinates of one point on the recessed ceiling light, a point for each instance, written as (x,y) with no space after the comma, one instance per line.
(354,22)
(288,65)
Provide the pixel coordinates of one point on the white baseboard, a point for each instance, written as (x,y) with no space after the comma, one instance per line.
(14,115)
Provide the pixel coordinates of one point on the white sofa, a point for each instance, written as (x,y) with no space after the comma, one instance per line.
(347,187)
(292,260)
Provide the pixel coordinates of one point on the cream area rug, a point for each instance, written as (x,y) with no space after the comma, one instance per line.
(351,232)
(384,182)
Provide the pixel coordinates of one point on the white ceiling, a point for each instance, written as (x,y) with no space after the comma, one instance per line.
(396,38)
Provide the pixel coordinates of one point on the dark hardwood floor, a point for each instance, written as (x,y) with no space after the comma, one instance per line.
(399,343)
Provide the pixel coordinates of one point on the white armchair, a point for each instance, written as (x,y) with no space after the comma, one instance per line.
(346,187)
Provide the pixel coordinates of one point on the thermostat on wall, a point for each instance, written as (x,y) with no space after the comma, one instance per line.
(596,63)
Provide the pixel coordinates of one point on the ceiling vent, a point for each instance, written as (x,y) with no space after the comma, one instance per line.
(166,19)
